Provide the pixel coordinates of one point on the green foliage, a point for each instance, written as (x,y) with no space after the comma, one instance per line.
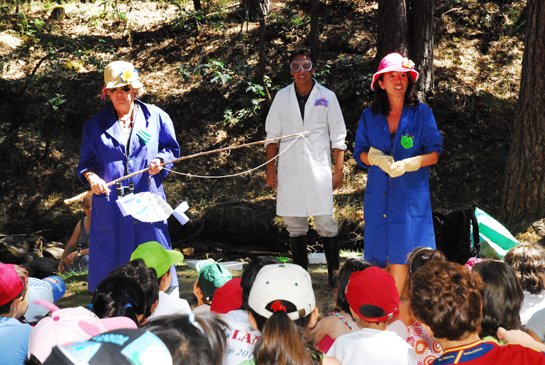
(184,72)
(111,8)
(251,103)
(215,67)
(55,102)
(4,128)
(300,21)
(189,19)
(321,74)
(363,83)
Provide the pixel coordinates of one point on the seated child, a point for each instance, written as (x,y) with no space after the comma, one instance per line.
(118,296)
(446,299)
(14,335)
(211,277)
(373,299)
(340,322)
(155,256)
(146,277)
(425,348)
(228,297)
(69,325)
(191,339)
(76,253)
(501,296)
(283,307)
(528,261)
(50,289)
(241,337)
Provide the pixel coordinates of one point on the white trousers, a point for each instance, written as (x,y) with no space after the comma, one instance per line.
(326,225)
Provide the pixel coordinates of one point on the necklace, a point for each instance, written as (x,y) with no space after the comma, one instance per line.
(127,122)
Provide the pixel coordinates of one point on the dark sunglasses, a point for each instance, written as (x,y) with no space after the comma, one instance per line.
(125,89)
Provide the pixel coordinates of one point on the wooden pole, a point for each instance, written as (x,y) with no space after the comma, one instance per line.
(90,192)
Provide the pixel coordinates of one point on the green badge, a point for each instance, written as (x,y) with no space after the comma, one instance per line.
(407,141)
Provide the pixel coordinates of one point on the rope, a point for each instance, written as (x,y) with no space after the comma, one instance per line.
(240,173)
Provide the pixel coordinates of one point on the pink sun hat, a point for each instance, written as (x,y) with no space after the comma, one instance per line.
(395,62)
(69,325)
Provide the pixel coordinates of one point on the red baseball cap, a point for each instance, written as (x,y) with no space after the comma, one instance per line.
(11,284)
(373,286)
(228,297)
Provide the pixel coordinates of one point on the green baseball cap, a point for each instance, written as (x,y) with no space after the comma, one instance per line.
(211,277)
(155,256)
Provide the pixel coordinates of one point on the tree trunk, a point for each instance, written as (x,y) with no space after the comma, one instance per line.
(420,16)
(524,192)
(262,56)
(315,29)
(197,4)
(392,28)
(257,8)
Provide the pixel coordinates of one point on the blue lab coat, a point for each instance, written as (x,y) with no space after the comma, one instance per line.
(397,211)
(113,237)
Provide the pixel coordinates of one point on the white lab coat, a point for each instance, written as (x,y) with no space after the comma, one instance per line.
(305,180)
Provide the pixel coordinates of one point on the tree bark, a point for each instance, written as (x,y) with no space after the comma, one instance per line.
(524,191)
(262,56)
(392,28)
(257,8)
(420,15)
(315,29)
(197,4)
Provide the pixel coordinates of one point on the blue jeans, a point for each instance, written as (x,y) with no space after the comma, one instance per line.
(79,264)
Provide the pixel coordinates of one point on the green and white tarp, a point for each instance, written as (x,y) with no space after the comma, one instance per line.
(496,240)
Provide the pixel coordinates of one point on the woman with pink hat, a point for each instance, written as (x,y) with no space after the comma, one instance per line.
(397,140)
(125,137)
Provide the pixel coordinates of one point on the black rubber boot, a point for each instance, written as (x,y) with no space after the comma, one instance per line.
(331,249)
(299,251)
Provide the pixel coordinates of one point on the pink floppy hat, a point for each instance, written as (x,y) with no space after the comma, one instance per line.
(69,325)
(395,62)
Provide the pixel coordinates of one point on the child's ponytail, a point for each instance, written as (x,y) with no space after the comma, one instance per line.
(283,341)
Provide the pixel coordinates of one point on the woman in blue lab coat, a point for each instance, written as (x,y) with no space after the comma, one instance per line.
(125,137)
(397,139)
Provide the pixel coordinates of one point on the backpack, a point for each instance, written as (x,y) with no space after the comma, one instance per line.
(454,239)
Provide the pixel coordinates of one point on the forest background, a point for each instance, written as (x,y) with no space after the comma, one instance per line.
(201,67)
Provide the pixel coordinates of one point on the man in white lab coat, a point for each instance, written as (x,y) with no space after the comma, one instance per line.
(304,179)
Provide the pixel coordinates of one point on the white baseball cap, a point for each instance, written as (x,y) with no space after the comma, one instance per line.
(282,282)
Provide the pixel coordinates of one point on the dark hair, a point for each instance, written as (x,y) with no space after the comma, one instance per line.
(248,277)
(446,297)
(381,103)
(350,266)
(143,275)
(302,52)
(371,311)
(284,341)
(23,275)
(502,297)
(205,300)
(528,261)
(421,255)
(201,342)
(119,296)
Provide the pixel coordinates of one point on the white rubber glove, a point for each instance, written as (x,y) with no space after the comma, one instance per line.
(398,168)
(377,158)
